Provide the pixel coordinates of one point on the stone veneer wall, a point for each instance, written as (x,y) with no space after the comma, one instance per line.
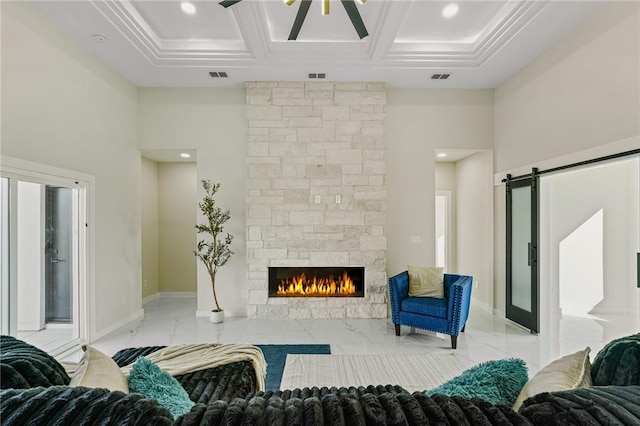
(304,140)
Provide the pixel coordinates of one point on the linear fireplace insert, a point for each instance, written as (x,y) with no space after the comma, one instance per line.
(316,281)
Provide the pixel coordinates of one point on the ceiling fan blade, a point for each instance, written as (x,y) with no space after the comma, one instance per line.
(227,3)
(356,19)
(300,17)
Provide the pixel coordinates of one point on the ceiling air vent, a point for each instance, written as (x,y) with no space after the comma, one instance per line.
(317,75)
(440,76)
(218,74)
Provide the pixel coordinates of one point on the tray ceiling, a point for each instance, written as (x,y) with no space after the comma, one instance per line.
(153,43)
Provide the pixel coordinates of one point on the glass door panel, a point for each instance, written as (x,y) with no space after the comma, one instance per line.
(523,292)
(521,242)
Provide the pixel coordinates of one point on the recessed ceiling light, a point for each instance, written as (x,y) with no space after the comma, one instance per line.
(188,8)
(450,10)
(100,37)
(442,155)
(185,155)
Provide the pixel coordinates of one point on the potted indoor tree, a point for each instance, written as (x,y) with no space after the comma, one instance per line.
(212,250)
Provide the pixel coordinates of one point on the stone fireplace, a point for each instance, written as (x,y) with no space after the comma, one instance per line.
(316,193)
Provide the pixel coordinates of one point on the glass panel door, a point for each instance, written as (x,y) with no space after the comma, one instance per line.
(522,245)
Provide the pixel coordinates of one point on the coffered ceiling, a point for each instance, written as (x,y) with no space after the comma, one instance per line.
(154,43)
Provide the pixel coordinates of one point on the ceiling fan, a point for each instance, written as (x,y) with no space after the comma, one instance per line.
(349,6)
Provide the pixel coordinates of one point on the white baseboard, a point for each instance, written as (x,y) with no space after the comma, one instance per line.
(151,298)
(136,316)
(178,294)
(170,295)
(481,305)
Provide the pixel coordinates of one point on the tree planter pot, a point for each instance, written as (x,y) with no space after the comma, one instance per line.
(216,317)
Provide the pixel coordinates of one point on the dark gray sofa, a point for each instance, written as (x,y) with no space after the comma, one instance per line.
(38,398)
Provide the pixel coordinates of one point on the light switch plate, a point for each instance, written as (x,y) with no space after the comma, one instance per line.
(317,199)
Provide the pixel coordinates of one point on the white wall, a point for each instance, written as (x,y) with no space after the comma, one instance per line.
(212,121)
(582,93)
(30,264)
(149,214)
(63,107)
(474,218)
(446,176)
(418,122)
(177,206)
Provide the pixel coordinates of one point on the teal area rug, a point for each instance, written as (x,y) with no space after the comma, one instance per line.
(276,355)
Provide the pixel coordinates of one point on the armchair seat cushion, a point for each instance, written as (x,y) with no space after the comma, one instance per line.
(419,305)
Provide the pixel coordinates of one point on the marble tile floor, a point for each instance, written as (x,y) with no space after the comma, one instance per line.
(173,321)
(48,338)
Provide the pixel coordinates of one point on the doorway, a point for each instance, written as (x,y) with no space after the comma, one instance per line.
(43,254)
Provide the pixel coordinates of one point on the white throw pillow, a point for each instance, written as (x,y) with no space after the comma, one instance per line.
(426,281)
(569,372)
(97,370)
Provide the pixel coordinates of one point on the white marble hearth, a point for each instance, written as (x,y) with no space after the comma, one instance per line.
(316,192)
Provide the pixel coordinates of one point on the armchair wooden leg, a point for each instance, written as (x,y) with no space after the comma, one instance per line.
(397,329)
(454,342)
(463,327)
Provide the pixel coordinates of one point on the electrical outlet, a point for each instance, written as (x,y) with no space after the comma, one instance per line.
(416,241)
(477,285)
(338,199)
(317,200)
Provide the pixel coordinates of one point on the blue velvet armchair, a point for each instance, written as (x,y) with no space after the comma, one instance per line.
(447,316)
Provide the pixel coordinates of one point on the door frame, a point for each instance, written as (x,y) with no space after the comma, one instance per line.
(530,320)
(17,169)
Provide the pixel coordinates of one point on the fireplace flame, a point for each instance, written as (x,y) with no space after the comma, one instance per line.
(301,286)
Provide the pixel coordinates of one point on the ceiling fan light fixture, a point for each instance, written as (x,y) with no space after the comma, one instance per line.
(188,8)
(450,10)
